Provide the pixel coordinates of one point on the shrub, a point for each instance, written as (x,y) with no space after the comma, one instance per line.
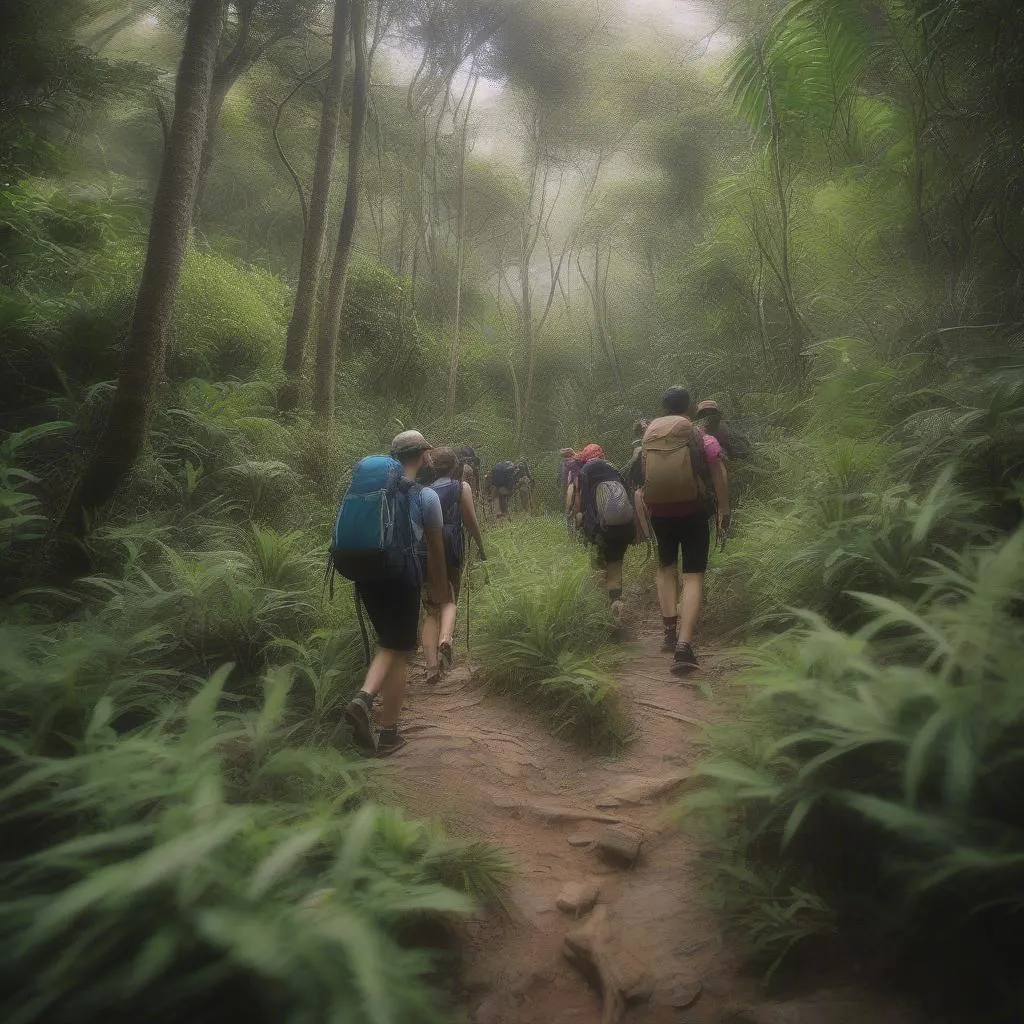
(229,320)
(884,763)
(544,633)
(204,868)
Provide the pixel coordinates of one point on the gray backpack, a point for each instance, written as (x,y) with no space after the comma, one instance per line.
(612,504)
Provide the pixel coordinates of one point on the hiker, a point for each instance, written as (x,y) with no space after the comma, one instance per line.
(633,474)
(458,512)
(683,472)
(709,418)
(524,485)
(388,572)
(469,466)
(506,479)
(567,474)
(601,499)
(572,491)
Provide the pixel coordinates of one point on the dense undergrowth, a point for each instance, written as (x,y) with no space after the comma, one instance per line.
(187,834)
(831,246)
(545,632)
(862,787)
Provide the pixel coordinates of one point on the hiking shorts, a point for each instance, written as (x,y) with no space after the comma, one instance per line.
(394,610)
(689,534)
(609,551)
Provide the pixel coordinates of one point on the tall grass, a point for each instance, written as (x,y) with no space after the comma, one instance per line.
(545,630)
(885,763)
(206,867)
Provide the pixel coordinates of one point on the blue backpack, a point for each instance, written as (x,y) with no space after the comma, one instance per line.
(373,534)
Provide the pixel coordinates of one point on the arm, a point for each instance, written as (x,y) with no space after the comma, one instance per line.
(469,518)
(720,478)
(437,569)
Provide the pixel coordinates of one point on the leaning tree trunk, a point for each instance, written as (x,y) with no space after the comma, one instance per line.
(142,362)
(315,235)
(226,73)
(330,320)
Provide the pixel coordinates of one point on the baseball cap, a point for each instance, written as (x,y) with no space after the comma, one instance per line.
(409,441)
(708,406)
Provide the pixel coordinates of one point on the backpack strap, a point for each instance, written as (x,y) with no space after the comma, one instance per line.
(362,623)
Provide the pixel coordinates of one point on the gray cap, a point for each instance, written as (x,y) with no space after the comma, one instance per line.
(409,441)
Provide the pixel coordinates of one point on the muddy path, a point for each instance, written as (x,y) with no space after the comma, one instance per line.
(489,768)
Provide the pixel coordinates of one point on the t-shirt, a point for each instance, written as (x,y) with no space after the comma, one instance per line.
(713,453)
(425,511)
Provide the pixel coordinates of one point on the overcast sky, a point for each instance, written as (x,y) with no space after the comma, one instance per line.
(693,22)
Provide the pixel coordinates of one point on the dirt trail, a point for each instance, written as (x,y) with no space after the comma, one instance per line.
(489,767)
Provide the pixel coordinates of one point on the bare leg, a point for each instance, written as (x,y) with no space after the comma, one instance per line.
(449,612)
(379,670)
(394,690)
(433,632)
(693,601)
(668,591)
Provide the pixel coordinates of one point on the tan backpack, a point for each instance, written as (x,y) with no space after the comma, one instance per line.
(670,474)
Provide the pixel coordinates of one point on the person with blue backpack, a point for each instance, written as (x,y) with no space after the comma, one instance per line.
(458,513)
(389,540)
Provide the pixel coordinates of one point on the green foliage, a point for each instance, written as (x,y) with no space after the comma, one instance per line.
(545,631)
(204,866)
(884,761)
(229,322)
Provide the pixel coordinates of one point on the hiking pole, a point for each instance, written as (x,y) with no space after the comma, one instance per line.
(468,588)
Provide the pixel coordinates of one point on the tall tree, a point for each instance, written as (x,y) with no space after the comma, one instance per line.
(330,320)
(142,364)
(315,235)
(460,252)
(252,28)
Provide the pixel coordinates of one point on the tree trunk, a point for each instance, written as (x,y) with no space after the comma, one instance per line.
(526,314)
(226,73)
(798,326)
(315,235)
(218,94)
(460,252)
(330,321)
(142,362)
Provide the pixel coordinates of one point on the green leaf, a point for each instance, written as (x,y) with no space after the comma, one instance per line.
(284,858)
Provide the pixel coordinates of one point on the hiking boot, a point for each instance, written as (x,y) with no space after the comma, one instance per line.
(668,645)
(390,741)
(357,715)
(685,660)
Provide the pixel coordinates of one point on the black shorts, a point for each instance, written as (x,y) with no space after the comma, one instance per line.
(394,610)
(691,533)
(609,551)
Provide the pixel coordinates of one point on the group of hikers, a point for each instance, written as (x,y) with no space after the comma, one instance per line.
(400,536)
(674,485)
